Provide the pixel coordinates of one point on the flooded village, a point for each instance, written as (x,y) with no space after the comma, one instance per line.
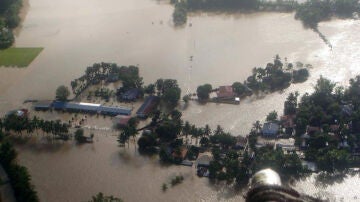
(94,154)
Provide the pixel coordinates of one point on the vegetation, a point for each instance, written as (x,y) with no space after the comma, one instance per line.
(20,124)
(180,14)
(275,76)
(19,177)
(331,117)
(9,19)
(20,57)
(313,11)
(107,72)
(62,93)
(100,197)
(128,131)
(310,12)
(177,180)
(204,91)
(272,116)
(169,91)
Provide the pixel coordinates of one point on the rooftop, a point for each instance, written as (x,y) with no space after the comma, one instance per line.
(225,92)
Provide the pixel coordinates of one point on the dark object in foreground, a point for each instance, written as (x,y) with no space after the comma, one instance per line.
(266,186)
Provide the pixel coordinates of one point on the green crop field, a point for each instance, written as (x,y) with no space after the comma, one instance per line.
(18,57)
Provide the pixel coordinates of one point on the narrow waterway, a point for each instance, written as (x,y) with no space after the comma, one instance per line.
(224,47)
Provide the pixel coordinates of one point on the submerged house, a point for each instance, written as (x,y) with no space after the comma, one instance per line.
(148,106)
(225,92)
(42,105)
(131,94)
(270,129)
(121,121)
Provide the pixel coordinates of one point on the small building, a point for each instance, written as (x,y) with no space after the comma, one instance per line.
(42,105)
(180,155)
(347,109)
(288,121)
(304,139)
(131,94)
(122,121)
(312,130)
(270,129)
(204,160)
(225,92)
(59,105)
(148,106)
(19,113)
(240,143)
(286,145)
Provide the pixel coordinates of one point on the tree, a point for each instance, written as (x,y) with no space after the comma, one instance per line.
(239,88)
(6,37)
(7,154)
(172,96)
(272,116)
(290,104)
(62,93)
(100,197)
(204,91)
(79,136)
(180,14)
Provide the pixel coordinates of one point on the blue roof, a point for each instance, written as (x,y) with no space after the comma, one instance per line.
(270,128)
(59,105)
(43,105)
(89,107)
(115,110)
(77,106)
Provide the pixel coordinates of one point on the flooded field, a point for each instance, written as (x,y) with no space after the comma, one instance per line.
(224,47)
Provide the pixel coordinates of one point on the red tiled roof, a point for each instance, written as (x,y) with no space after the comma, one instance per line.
(225,91)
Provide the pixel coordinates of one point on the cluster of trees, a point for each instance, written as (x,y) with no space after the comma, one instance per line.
(228,165)
(275,76)
(19,177)
(222,4)
(313,11)
(204,91)
(180,13)
(169,91)
(62,93)
(334,114)
(310,12)
(128,132)
(20,124)
(100,197)
(107,72)
(9,19)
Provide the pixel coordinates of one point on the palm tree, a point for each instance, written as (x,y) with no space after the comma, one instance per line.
(186,130)
(256,127)
(207,130)
(219,130)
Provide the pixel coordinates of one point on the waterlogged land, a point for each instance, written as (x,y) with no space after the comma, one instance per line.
(92,36)
(18,57)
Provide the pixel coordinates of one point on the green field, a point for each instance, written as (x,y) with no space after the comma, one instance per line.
(18,57)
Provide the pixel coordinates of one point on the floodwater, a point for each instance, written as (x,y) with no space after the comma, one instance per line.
(224,47)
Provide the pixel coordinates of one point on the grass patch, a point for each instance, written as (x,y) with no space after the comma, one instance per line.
(18,57)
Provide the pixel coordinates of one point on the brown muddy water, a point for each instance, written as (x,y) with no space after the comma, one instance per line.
(224,47)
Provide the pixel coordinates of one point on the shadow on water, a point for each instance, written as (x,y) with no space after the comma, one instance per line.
(41,144)
(325,179)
